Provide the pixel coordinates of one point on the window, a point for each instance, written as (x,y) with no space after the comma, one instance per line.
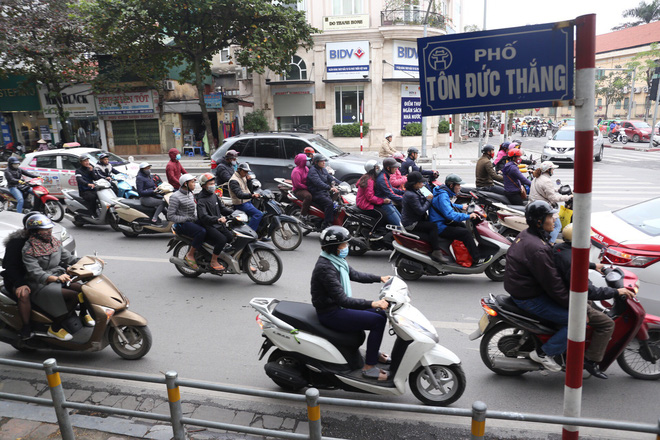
(600,102)
(243,147)
(268,147)
(293,147)
(297,69)
(46,161)
(626,102)
(224,55)
(300,6)
(70,162)
(617,104)
(346,7)
(347,104)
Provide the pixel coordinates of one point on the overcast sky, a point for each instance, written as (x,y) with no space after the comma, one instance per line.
(512,13)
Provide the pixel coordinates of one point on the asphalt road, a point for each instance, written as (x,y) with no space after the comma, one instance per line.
(204,328)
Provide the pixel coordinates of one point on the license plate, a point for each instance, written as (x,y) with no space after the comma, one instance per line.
(483,323)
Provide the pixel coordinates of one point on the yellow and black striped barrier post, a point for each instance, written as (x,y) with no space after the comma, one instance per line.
(313,413)
(174,399)
(478,420)
(57,395)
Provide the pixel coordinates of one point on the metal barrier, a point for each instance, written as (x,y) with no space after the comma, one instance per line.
(478,413)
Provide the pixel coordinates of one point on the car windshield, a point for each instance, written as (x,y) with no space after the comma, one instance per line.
(114,159)
(325,147)
(565,135)
(641,124)
(644,216)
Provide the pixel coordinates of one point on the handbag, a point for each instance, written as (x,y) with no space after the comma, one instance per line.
(523,191)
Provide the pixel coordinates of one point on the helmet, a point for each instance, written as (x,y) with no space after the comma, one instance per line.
(334,235)
(371,164)
(318,157)
(547,165)
(185,178)
(38,221)
(388,135)
(309,150)
(453,179)
(414,177)
(505,145)
(27,216)
(514,152)
(103,155)
(244,166)
(205,178)
(567,232)
(412,150)
(511,146)
(389,162)
(537,211)
(518,142)
(487,147)
(12,160)
(144,165)
(231,153)
(83,157)
(398,156)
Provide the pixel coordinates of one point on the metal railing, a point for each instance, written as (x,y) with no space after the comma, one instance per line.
(479,412)
(411,17)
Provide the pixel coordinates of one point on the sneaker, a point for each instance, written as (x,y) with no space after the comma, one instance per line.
(88,321)
(545,360)
(62,335)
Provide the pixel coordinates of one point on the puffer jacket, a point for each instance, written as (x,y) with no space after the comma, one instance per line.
(385,189)
(485,172)
(366,198)
(500,156)
(299,173)
(85,176)
(223,172)
(562,254)
(327,291)
(13,176)
(513,178)
(174,169)
(319,180)
(414,209)
(210,208)
(145,185)
(104,171)
(397,180)
(442,210)
(543,188)
(182,207)
(409,165)
(386,149)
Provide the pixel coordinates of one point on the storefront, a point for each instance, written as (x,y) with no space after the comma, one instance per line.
(21,119)
(78,103)
(293,108)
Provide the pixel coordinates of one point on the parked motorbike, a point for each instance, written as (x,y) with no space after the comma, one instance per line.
(412,256)
(316,216)
(510,334)
(246,254)
(618,136)
(76,207)
(125,331)
(39,200)
(134,219)
(310,354)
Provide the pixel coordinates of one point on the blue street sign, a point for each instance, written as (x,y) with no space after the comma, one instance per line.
(522,67)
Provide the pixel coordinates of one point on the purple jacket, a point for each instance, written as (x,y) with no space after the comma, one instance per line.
(513,178)
(299,173)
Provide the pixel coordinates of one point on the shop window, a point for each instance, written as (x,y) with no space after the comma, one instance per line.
(346,7)
(70,162)
(347,104)
(293,147)
(268,148)
(600,102)
(297,69)
(617,104)
(46,161)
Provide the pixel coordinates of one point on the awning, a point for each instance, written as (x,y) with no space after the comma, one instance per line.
(182,107)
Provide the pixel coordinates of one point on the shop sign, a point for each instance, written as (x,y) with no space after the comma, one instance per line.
(15,99)
(5,131)
(521,67)
(347,60)
(406,63)
(77,100)
(45,132)
(213,100)
(276,91)
(411,104)
(126,104)
(339,22)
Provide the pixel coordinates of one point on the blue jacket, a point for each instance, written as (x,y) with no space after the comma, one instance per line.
(513,178)
(319,180)
(414,209)
(409,165)
(384,188)
(85,176)
(145,185)
(442,209)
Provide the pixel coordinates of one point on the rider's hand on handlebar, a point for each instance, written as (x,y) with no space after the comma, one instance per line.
(385,278)
(387,201)
(256,195)
(222,220)
(380,304)
(474,216)
(465,206)
(624,291)
(64,278)
(600,267)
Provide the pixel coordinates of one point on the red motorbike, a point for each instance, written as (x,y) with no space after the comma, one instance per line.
(38,199)
(510,334)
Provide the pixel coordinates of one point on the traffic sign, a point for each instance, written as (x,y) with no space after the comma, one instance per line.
(521,67)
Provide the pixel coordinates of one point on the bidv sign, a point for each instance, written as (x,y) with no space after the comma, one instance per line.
(523,67)
(347,60)
(405,62)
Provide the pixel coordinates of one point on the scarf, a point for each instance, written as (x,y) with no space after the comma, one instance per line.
(41,248)
(342,266)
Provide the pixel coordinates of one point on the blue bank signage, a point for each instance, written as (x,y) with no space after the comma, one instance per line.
(514,68)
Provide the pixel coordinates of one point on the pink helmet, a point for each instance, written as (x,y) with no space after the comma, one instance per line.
(512,146)
(398,156)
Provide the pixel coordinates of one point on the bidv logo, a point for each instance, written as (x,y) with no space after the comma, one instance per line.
(406,52)
(338,54)
(440,58)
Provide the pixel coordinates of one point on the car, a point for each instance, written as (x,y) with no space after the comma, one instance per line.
(630,237)
(271,155)
(58,167)
(12,221)
(561,147)
(637,131)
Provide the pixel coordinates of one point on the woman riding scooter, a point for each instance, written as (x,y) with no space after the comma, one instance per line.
(367,200)
(13,175)
(146,189)
(212,214)
(543,188)
(513,178)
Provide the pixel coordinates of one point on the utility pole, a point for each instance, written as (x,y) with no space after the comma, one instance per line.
(426,20)
(632,94)
(482,125)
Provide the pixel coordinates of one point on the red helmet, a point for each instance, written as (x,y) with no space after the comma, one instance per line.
(399,156)
(309,150)
(515,152)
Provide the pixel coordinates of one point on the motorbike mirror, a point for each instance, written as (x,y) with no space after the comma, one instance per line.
(558,181)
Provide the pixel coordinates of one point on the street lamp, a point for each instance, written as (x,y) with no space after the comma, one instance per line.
(632,86)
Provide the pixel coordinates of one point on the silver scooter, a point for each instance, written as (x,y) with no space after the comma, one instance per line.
(76,207)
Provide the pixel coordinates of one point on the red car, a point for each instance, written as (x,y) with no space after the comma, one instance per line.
(637,131)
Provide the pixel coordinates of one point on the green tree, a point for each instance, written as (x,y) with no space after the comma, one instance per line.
(255,122)
(643,13)
(189,32)
(44,42)
(610,86)
(645,64)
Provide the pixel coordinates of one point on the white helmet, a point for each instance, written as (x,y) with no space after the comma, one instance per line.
(547,165)
(185,178)
(144,165)
(388,135)
(371,164)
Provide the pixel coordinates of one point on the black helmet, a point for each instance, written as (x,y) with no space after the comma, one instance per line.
(412,150)
(487,147)
(415,177)
(453,179)
(13,160)
(537,211)
(318,157)
(84,157)
(390,162)
(334,235)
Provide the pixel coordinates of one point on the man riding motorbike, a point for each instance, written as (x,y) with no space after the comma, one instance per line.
(104,170)
(319,182)
(85,177)
(212,213)
(386,147)
(485,172)
(226,167)
(146,189)
(409,165)
(543,188)
(182,210)
(240,190)
(13,176)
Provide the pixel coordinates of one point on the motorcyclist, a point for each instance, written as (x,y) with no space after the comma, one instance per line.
(485,172)
(602,325)
(534,283)
(13,176)
(543,188)
(319,182)
(409,165)
(386,148)
(104,170)
(366,198)
(513,178)
(212,214)
(397,179)
(182,210)
(85,177)
(309,152)
(335,306)
(448,219)
(299,182)
(385,190)
(240,190)
(226,167)
(146,189)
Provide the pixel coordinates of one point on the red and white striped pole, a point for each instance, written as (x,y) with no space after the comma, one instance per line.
(450,137)
(502,125)
(585,82)
(361,119)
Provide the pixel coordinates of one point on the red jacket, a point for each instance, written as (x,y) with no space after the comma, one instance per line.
(397,179)
(174,169)
(366,199)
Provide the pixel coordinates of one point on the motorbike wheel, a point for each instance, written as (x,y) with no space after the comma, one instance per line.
(407,274)
(288,237)
(624,139)
(180,251)
(113,221)
(288,362)
(496,270)
(139,341)
(268,265)
(501,341)
(638,361)
(4,205)
(294,211)
(54,211)
(451,379)
(612,139)
(78,223)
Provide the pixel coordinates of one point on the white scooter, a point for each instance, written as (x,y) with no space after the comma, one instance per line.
(310,354)
(76,207)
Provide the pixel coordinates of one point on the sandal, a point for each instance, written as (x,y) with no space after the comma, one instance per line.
(376,373)
(384,358)
(190,263)
(218,267)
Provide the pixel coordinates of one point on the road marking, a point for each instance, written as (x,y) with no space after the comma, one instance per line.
(463,327)
(143,259)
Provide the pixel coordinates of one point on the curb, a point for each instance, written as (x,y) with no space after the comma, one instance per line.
(624,147)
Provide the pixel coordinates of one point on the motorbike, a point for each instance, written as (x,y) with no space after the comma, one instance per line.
(472,132)
(40,199)
(124,330)
(412,257)
(314,220)
(124,188)
(12,148)
(368,231)
(618,136)
(76,207)
(134,219)
(510,334)
(246,254)
(310,354)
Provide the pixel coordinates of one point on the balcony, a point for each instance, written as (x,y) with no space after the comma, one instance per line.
(412,17)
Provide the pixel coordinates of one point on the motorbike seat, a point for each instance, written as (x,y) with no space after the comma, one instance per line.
(494,197)
(507,304)
(303,317)
(136,204)
(76,196)
(517,207)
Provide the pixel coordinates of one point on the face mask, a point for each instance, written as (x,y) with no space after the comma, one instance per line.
(211,188)
(178,157)
(343,253)
(233,162)
(147,172)
(14,166)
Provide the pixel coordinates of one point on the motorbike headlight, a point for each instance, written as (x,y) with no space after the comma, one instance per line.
(64,235)
(96,268)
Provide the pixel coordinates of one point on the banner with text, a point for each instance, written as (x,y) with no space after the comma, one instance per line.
(130,103)
(405,60)
(347,60)
(411,104)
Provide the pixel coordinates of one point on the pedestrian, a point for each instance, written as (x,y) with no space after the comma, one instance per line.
(386,147)
(174,170)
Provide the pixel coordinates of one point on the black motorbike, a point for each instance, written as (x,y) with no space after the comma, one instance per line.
(245,254)
(368,231)
(284,230)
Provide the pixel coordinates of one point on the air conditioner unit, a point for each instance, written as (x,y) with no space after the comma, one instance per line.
(626,89)
(169,85)
(638,90)
(243,74)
